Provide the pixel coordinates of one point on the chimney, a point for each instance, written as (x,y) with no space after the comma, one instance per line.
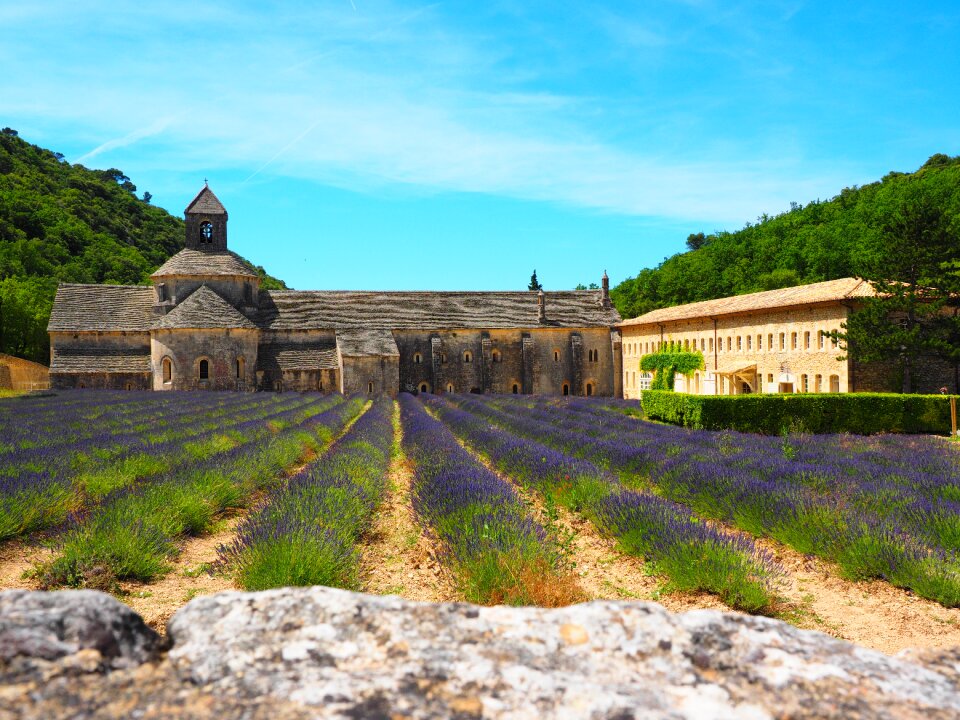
(541,308)
(605,290)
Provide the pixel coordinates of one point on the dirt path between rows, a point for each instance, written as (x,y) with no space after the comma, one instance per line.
(397,556)
(192,574)
(18,557)
(872,613)
(602,571)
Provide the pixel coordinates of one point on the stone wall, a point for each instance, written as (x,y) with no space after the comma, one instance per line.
(221,348)
(101,381)
(501,362)
(370,375)
(241,292)
(95,377)
(19,374)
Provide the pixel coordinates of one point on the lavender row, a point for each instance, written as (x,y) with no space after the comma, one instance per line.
(497,552)
(64,450)
(77,420)
(861,508)
(691,554)
(306,531)
(36,500)
(132,532)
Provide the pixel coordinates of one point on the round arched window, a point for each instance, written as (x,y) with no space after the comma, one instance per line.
(204,370)
(206,232)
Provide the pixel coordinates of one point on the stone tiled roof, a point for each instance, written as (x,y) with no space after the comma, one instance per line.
(80,308)
(830,291)
(206,203)
(297,356)
(100,359)
(359,342)
(293,309)
(197,262)
(204,309)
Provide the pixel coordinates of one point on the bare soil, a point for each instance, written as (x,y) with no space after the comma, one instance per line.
(193,573)
(872,613)
(17,558)
(397,556)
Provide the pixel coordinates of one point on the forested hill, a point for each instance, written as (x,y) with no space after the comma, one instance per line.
(824,240)
(64,223)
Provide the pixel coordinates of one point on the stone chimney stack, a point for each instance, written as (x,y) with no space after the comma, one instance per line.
(541,308)
(605,290)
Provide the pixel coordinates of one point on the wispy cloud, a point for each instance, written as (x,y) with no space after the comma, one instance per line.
(394,97)
(154,128)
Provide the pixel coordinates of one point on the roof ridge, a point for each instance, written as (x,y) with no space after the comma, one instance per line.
(748,302)
(204,192)
(204,300)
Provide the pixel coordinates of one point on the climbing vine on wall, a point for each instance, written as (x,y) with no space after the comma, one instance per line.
(669,361)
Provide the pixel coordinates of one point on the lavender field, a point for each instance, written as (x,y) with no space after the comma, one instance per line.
(499,494)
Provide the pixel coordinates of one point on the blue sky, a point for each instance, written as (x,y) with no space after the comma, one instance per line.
(460,145)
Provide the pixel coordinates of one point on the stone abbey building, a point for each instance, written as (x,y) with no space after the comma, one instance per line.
(206,324)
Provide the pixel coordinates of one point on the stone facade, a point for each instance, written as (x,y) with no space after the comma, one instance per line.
(767,342)
(205,324)
(19,374)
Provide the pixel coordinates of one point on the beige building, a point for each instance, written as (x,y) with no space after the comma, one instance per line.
(766,342)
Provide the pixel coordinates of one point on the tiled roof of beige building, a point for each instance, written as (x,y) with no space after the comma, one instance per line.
(196,262)
(79,308)
(822,292)
(293,310)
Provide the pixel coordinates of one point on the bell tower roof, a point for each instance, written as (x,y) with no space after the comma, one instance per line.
(206,221)
(205,203)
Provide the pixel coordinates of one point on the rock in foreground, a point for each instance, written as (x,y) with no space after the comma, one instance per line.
(320,652)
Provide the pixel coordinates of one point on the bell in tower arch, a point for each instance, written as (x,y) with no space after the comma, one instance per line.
(206,222)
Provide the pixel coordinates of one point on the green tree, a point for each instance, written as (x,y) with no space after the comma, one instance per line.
(534,283)
(65,223)
(911,263)
(822,240)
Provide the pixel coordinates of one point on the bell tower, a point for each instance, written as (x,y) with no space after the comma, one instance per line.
(206,222)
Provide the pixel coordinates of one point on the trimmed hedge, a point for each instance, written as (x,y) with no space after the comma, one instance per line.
(860,413)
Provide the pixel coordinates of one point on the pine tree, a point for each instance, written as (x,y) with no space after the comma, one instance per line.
(534,283)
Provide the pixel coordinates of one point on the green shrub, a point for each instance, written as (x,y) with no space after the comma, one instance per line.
(860,413)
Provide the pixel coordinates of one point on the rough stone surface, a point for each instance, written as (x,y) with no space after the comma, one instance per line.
(37,626)
(324,653)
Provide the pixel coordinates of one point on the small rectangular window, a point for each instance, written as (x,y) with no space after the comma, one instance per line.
(822,339)
(806,340)
(759,342)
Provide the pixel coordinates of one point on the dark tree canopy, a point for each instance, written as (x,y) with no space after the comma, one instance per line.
(913,262)
(64,223)
(534,283)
